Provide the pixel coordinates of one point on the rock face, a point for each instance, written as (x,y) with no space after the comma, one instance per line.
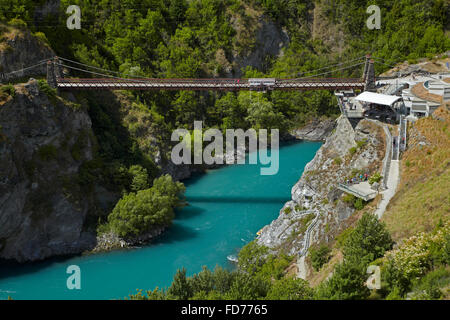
(43,210)
(269,41)
(315,130)
(315,198)
(21,49)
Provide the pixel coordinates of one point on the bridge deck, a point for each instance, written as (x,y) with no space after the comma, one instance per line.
(207,84)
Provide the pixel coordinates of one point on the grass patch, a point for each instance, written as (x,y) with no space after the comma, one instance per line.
(423,196)
(45,88)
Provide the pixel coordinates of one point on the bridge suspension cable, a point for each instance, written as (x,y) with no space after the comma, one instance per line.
(97,68)
(101,74)
(324,73)
(24,69)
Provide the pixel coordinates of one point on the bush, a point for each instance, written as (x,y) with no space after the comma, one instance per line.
(352,150)
(376,177)
(45,88)
(137,213)
(287,210)
(319,256)
(41,36)
(360,144)
(337,161)
(359,204)
(139,178)
(290,289)
(17,23)
(7,90)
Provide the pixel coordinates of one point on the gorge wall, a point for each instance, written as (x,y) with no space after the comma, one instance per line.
(315,198)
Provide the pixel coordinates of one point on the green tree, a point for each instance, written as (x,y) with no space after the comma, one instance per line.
(368,241)
(137,213)
(181,288)
(319,256)
(347,282)
(139,178)
(290,289)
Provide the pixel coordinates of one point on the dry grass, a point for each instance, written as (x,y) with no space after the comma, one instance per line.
(423,197)
(8,33)
(420,91)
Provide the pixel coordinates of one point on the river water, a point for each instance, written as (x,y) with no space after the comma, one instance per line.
(227,207)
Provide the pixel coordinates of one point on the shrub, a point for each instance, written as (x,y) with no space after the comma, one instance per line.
(290,289)
(337,161)
(17,23)
(7,90)
(45,88)
(319,256)
(139,178)
(287,210)
(359,204)
(360,144)
(41,36)
(348,198)
(137,213)
(376,177)
(342,237)
(352,150)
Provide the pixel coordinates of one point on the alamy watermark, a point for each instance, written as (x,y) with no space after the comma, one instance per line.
(74,20)
(374,21)
(374,280)
(74,280)
(189,147)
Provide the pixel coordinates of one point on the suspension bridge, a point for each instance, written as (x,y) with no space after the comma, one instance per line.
(103,79)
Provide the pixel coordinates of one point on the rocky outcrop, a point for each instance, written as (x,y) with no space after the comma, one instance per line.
(315,130)
(111,241)
(315,198)
(20,49)
(43,208)
(267,40)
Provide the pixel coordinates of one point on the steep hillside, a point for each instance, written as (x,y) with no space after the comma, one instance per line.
(423,198)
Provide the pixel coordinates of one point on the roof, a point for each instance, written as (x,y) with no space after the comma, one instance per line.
(371,97)
(420,91)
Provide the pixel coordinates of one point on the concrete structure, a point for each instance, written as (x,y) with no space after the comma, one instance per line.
(360,190)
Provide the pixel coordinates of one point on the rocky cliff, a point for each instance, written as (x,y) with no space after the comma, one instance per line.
(315,198)
(19,49)
(43,209)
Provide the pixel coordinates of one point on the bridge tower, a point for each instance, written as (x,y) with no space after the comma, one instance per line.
(369,78)
(51,79)
(54,72)
(366,66)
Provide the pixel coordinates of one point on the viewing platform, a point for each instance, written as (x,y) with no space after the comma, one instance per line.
(360,190)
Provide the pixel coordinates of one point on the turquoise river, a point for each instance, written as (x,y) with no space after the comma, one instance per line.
(227,207)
